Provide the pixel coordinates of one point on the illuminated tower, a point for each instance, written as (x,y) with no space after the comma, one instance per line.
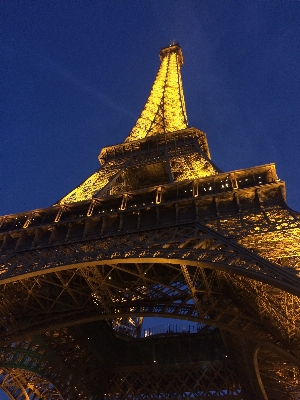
(157,230)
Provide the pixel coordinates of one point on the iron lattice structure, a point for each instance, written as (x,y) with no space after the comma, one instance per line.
(158,230)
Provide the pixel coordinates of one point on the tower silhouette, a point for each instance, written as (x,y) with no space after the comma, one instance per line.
(157,230)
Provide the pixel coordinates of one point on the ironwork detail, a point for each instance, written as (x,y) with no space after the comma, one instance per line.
(158,230)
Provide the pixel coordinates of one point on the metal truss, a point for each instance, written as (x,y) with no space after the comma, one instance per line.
(137,367)
(60,364)
(211,379)
(187,271)
(197,244)
(158,230)
(25,385)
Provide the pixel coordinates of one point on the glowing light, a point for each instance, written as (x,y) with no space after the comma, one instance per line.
(92,184)
(164,110)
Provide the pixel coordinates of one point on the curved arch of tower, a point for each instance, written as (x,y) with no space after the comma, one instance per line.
(157,230)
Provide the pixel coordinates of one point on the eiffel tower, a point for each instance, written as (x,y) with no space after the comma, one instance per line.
(157,231)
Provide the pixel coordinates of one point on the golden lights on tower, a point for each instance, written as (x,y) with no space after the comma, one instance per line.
(164,110)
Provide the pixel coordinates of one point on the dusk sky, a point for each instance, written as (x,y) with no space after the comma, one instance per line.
(76,75)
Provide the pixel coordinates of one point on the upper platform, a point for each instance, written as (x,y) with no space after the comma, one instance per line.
(160,133)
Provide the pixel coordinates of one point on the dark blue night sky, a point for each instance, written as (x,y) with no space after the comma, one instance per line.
(77,74)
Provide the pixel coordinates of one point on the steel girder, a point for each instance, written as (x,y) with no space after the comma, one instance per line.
(21,384)
(157,230)
(163,366)
(188,271)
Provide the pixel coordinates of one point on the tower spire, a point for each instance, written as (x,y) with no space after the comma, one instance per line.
(164,110)
(160,121)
